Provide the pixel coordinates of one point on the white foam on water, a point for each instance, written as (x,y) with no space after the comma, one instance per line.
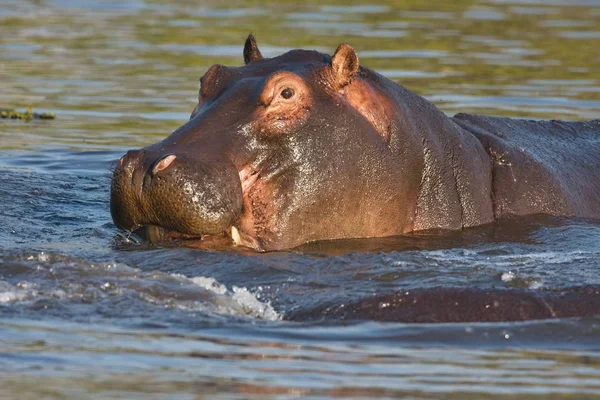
(20,292)
(42,257)
(210,284)
(213,297)
(25,291)
(508,276)
(250,302)
(239,299)
(65,278)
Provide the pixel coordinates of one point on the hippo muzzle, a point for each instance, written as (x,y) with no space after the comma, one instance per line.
(180,194)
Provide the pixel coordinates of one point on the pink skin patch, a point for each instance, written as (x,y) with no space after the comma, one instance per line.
(248,176)
(163,164)
(286,103)
(244,234)
(373,106)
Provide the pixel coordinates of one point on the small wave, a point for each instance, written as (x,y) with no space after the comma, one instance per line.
(514,266)
(38,277)
(10,293)
(467,256)
(239,301)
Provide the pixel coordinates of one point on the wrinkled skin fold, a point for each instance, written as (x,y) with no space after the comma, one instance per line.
(306,146)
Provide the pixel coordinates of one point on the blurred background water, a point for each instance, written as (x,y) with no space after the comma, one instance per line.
(86,313)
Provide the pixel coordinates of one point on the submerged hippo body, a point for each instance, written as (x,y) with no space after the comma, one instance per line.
(303,147)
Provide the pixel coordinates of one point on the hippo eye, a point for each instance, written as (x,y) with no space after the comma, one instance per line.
(287,93)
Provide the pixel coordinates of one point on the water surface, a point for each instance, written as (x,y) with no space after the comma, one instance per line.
(88,312)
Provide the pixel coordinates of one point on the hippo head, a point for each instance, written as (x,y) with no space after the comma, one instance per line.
(278,152)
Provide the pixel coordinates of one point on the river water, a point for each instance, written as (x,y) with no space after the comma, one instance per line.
(87,312)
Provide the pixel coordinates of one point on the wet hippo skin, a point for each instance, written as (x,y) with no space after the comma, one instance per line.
(305,146)
(463,305)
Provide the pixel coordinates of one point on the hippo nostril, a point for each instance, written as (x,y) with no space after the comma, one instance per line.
(163,163)
(130,160)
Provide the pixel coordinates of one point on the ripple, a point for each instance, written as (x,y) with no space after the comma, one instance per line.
(43,278)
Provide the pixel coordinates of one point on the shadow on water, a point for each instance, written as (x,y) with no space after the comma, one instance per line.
(510,230)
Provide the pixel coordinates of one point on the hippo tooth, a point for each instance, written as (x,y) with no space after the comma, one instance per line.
(235,236)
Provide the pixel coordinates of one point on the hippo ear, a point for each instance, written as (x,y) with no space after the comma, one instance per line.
(251,51)
(344,64)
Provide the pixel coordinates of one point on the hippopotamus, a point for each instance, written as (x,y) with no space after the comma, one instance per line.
(448,305)
(306,146)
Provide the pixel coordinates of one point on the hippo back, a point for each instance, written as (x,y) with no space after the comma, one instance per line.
(548,167)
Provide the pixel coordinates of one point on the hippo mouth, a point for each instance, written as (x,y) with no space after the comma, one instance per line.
(158,235)
(233,235)
(154,234)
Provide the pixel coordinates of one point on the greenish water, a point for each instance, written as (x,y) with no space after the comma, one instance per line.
(126,73)
(85,313)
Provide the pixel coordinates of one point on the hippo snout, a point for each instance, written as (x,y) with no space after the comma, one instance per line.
(175,191)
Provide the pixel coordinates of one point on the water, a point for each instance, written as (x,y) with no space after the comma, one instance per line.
(88,312)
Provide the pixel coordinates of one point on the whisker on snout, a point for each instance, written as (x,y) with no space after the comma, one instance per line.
(112,166)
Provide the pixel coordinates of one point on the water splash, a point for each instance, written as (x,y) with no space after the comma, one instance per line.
(34,279)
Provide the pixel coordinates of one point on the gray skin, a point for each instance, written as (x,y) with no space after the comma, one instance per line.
(444,305)
(349,154)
